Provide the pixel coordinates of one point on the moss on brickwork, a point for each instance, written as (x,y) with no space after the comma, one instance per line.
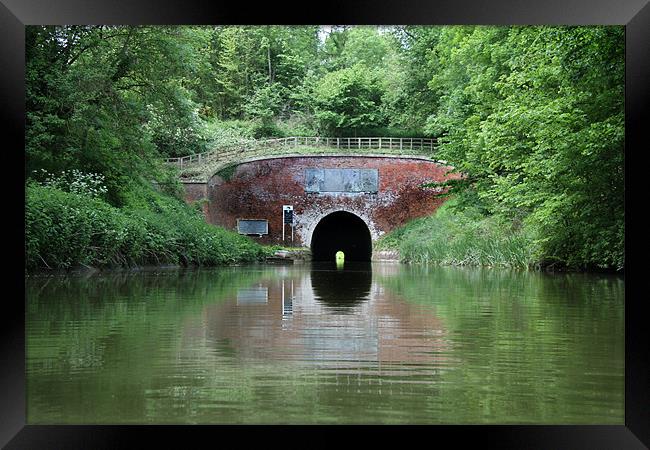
(227,172)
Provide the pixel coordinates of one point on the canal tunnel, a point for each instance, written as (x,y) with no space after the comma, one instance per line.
(342,231)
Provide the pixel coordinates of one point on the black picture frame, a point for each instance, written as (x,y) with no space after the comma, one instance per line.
(15,14)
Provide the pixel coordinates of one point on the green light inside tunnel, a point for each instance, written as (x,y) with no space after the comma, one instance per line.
(340,259)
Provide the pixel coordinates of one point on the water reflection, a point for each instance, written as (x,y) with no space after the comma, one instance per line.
(381,344)
(287,301)
(341,288)
(327,318)
(254,295)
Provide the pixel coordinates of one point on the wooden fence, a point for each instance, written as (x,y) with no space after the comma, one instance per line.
(387,145)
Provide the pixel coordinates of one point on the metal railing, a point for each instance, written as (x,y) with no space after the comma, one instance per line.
(245,149)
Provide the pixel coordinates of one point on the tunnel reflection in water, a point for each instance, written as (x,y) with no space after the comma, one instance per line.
(341,289)
(341,231)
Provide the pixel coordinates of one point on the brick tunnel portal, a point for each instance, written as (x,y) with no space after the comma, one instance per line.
(342,231)
(339,202)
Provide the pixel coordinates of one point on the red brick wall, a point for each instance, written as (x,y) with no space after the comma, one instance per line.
(258,189)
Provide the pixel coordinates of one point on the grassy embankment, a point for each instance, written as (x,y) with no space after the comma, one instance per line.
(461,238)
(66,229)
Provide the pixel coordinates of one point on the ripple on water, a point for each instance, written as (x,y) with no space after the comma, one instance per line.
(296,345)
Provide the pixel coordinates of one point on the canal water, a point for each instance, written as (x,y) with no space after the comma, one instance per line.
(302,344)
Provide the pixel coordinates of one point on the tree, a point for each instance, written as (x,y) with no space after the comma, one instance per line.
(348,100)
(534,117)
(109,99)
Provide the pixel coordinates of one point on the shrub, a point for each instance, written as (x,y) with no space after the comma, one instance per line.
(66,229)
(89,184)
(459,238)
(228,132)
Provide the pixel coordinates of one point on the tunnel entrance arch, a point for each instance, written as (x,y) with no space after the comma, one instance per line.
(344,231)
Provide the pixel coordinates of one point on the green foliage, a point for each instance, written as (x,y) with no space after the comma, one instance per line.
(365,45)
(66,229)
(227,172)
(229,132)
(180,132)
(108,100)
(245,59)
(534,117)
(264,103)
(89,184)
(409,98)
(348,100)
(462,237)
(297,125)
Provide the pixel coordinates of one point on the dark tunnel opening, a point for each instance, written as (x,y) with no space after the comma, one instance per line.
(342,231)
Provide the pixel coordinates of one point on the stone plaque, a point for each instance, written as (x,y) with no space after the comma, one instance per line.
(250,226)
(341,180)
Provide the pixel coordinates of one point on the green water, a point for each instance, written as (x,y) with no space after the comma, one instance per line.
(386,343)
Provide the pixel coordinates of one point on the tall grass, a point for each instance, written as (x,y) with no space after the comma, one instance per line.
(462,238)
(64,230)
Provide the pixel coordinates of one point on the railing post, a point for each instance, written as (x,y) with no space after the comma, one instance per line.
(411,143)
(379,143)
(359,143)
(400,143)
(337,142)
